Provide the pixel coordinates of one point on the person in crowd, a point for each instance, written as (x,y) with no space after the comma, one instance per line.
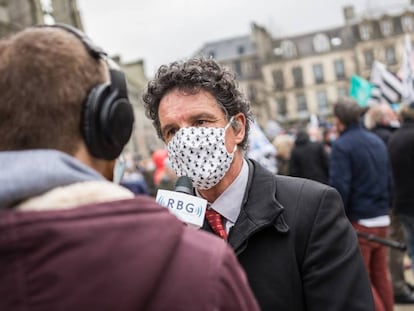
(309,159)
(70,238)
(164,177)
(360,171)
(329,135)
(314,132)
(261,149)
(133,178)
(147,167)
(290,234)
(383,121)
(283,144)
(401,152)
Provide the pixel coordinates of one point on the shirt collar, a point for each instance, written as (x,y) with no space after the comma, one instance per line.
(228,204)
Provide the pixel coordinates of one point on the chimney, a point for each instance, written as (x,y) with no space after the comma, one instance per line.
(349,13)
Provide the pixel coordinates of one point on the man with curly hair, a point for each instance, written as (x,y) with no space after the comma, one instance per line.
(291,235)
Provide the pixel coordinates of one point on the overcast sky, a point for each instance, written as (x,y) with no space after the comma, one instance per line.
(161,31)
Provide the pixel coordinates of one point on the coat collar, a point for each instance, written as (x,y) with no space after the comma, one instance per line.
(260,208)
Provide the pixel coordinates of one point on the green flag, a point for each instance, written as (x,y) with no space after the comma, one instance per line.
(360,90)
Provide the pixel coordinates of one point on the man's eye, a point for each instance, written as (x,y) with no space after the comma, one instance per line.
(200,122)
(171,132)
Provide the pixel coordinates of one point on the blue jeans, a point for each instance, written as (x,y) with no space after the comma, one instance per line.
(408,227)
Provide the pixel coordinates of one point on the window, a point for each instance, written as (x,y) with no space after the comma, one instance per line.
(281,106)
(321,43)
(237,68)
(240,49)
(301,103)
(211,54)
(342,92)
(288,49)
(339,69)
(390,55)
(278,81)
(322,99)
(365,32)
(386,27)
(297,76)
(369,58)
(407,23)
(318,73)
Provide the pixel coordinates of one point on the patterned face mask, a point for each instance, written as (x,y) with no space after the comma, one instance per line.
(200,153)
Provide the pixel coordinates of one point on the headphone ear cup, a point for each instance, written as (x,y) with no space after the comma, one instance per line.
(107,122)
(90,119)
(117,119)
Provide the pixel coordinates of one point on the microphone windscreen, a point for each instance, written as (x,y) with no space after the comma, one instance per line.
(184,185)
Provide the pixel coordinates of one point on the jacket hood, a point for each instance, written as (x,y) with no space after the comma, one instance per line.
(29,173)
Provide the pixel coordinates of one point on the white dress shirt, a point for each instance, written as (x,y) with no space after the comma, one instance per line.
(228,204)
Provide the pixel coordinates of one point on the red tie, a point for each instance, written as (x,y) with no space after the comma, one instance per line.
(214,219)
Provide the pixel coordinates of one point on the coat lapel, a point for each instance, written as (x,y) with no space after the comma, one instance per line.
(260,208)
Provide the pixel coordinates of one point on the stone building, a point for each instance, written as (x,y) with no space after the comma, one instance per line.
(144,138)
(302,75)
(18,14)
(240,55)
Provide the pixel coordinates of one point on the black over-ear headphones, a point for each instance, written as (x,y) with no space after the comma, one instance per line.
(107,117)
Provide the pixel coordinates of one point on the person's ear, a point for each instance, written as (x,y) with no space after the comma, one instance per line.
(239,127)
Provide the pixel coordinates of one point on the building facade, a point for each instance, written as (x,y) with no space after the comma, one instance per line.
(240,55)
(18,14)
(302,75)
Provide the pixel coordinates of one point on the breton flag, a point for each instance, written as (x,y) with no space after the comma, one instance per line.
(387,86)
(407,72)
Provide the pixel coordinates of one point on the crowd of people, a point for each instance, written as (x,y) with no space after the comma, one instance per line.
(288,238)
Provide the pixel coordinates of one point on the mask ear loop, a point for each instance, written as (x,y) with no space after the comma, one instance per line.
(225,129)
(228,124)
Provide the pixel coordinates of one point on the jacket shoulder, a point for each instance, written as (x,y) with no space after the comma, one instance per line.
(292,188)
(213,276)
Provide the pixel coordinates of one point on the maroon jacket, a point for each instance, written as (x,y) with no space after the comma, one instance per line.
(123,255)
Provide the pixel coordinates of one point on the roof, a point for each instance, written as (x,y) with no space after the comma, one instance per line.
(228,48)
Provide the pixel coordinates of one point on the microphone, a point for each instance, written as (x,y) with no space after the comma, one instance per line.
(182,203)
(184,185)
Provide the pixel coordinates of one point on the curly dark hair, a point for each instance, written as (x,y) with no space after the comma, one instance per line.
(192,76)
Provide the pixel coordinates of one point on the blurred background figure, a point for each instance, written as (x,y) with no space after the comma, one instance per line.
(261,149)
(401,149)
(359,170)
(329,135)
(283,144)
(133,179)
(383,121)
(164,177)
(309,158)
(314,132)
